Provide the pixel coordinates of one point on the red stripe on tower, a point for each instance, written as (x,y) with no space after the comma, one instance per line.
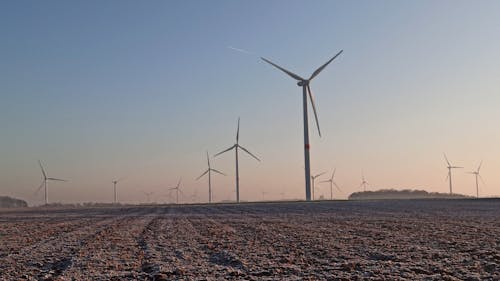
(308,146)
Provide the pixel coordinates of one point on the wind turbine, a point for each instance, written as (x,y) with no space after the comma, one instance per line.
(332,183)
(209,172)
(313,179)
(177,190)
(448,177)
(237,146)
(44,182)
(304,83)
(364,183)
(114,188)
(264,196)
(476,173)
(148,195)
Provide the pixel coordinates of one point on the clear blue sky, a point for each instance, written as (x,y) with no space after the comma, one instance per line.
(99,90)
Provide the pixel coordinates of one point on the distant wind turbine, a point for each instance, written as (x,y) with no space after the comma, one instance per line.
(114,188)
(477,175)
(306,90)
(148,195)
(177,189)
(332,183)
(209,172)
(264,195)
(237,146)
(45,180)
(313,179)
(364,183)
(448,177)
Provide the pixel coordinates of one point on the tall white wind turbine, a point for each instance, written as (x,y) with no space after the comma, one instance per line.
(448,177)
(313,180)
(306,90)
(236,147)
(209,172)
(45,180)
(478,176)
(332,183)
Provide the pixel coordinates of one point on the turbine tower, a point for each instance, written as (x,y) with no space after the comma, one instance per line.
(313,179)
(114,189)
(477,175)
(236,147)
(209,172)
(332,183)
(448,177)
(306,90)
(44,184)
(364,183)
(177,190)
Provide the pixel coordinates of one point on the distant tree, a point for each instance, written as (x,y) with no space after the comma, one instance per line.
(8,202)
(402,194)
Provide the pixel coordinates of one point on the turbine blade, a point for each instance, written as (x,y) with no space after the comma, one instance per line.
(333,174)
(208,160)
(40,187)
(314,109)
(249,152)
(337,186)
(446,158)
(480,164)
(315,73)
(54,179)
(447,176)
(219,172)
(238,131)
(119,180)
(320,174)
(43,171)
(291,74)
(224,151)
(325,181)
(481,178)
(456,167)
(202,175)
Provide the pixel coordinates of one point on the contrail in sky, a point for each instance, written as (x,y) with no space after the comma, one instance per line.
(240,50)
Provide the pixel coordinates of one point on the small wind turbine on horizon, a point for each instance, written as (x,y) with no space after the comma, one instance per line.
(148,195)
(306,90)
(332,183)
(448,177)
(364,183)
(313,180)
(477,176)
(44,182)
(236,147)
(177,189)
(209,171)
(114,188)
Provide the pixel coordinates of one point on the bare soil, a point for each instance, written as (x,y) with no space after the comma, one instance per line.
(335,240)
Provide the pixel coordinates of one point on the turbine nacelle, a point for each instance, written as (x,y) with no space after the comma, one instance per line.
(303,83)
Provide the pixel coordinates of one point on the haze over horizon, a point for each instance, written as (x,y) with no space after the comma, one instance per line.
(103,90)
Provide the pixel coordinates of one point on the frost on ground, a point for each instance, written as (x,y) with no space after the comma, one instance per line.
(391,240)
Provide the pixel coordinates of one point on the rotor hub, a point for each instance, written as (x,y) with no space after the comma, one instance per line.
(303,83)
